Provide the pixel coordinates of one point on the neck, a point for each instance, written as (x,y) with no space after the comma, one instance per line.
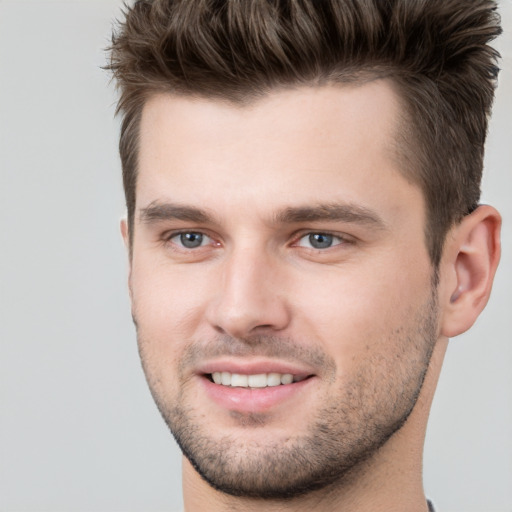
(390,481)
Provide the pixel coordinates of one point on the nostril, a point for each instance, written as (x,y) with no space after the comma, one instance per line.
(219,329)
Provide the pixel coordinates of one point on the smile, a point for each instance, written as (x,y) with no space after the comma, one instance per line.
(259,380)
(254,385)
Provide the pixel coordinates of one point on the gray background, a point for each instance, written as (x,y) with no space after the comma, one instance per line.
(79,431)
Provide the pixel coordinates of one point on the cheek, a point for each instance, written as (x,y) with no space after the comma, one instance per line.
(354,310)
(167,304)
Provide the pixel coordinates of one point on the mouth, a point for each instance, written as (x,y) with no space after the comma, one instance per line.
(255,386)
(254,381)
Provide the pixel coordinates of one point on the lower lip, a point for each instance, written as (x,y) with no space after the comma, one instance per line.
(253,400)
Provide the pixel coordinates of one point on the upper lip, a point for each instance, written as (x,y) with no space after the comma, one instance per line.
(253,367)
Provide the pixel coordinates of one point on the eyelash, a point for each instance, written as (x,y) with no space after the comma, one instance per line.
(167,239)
(341,238)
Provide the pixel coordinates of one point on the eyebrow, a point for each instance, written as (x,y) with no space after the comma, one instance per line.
(157,211)
(350,213)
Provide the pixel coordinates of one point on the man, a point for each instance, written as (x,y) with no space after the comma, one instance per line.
(302,181)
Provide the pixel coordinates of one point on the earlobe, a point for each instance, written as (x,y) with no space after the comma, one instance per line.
(470,260)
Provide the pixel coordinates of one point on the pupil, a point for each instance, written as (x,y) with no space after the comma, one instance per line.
(320,240)
(191,240)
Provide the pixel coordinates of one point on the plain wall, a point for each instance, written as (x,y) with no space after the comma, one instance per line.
(78,428)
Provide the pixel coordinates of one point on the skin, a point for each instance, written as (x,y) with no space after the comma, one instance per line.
(359,318)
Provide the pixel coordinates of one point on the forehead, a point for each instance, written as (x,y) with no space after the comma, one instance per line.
(341,113)
(292,147)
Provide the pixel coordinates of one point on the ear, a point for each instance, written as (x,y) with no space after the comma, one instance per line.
(470,258)
(124,232)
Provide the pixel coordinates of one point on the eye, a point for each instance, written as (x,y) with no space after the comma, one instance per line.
(319,241)
(190,239)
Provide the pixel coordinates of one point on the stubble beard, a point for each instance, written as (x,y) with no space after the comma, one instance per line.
(345,432)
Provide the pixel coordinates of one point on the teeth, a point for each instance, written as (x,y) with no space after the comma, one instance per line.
(286,378)
(256,381)
(261,380)
(239,381)
(273,379)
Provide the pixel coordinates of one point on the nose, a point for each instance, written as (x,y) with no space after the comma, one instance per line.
(251,296)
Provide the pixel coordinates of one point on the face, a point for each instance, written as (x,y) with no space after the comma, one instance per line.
(281,285)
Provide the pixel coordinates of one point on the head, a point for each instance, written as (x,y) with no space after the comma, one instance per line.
(292,172)
(436,54)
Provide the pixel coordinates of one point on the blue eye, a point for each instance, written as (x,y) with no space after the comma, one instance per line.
(190,240)
(319,241)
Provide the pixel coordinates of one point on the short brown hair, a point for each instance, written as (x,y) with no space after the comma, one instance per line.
(436,52)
